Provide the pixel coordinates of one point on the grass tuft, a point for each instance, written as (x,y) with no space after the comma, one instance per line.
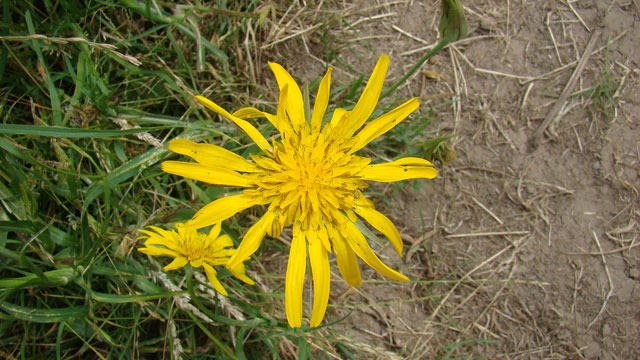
(90,93)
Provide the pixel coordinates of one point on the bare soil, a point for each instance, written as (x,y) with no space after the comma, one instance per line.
(517,252)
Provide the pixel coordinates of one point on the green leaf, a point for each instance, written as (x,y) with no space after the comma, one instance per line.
(124,172)
(121,299)
(21,226)
(53,92)
(55,278)
(304,350)
(66,132)
(45,315)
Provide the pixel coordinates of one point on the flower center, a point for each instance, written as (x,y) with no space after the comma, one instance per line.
(194,245)
(309,178)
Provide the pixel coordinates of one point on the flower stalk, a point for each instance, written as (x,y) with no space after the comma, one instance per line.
(453,26)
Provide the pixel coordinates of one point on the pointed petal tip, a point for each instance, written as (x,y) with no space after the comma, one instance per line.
(247,280)
(201,99)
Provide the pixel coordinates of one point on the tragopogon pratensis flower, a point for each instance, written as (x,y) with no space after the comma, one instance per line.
(189,246)
(310,178)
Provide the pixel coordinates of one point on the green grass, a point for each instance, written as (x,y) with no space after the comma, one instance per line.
(79,175)
(603,93)
(604,100)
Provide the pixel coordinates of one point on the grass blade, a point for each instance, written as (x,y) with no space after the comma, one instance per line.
(45,315)
(66,132)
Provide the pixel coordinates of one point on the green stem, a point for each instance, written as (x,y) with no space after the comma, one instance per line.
(189,280)
(415,67)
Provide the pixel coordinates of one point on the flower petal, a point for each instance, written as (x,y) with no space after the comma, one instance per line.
(363,250)
(323,236)
(249,129)
(239,273)
(384,123)
(177,263)
(296,268)
(250,112)
(369,98)
(295,104)
(212,155)
(220,209)
(223,241)
(158,251)
(162,238)
(196,263)
(337,116)
(321,281)
(213,279)
(401,169)
(213,235)
(284,125)
(322,100)
(161,234)
(346,258)
(382,224)
(251,241)
(208,174)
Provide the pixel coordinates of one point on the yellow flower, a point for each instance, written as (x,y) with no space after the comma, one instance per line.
(311,178)
(187,245)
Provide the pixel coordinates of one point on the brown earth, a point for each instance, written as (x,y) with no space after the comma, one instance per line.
(515,252)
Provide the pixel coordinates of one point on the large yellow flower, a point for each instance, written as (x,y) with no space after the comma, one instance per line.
(310,177)
(189,246)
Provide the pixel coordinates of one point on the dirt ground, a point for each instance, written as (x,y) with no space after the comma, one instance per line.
(520,252)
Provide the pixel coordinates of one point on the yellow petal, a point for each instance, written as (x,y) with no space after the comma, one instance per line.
(337,116)
(161,234)
(324,237)
(158,251)
(284,126)
(196,263)
(322,100)
(208,174)
(351,215)
(223,241)
(401,169)
(321,281)
(163,243)
(251,241)
(296,268)
(212,155)
(295,104)
(382,224)
(215,231)
(384,123)
(249,129)
(250,112)
(176,263)
(363,250)
(369,98)
(345,257)
(239,273)
(220,209)
(411,161)
(213,279)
